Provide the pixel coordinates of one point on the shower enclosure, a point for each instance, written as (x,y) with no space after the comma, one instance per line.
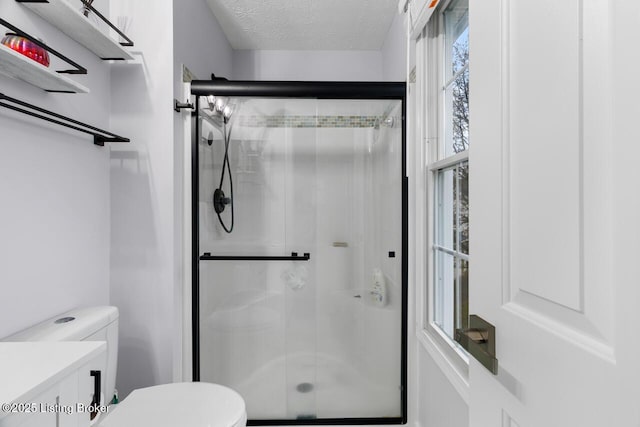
(299,243)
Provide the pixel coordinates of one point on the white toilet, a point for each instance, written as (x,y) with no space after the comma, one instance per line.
(191,404)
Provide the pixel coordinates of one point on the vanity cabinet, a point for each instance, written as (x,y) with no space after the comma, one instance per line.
(48,384)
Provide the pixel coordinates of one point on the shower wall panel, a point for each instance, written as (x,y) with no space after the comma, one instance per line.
(385,236)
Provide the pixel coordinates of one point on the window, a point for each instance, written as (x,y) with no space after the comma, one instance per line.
(451,247)
(448,165)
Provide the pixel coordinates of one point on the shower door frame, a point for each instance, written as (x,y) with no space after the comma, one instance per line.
(309,90)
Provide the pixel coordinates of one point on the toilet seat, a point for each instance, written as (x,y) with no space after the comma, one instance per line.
(193,404)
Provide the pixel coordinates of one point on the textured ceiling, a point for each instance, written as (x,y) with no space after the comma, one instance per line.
(305,24)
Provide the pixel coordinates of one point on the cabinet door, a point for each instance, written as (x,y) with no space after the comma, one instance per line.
(55,407)
(65,404)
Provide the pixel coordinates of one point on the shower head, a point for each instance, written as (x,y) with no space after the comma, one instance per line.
(220,105)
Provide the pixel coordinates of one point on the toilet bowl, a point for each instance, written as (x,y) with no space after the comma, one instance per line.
(192,404)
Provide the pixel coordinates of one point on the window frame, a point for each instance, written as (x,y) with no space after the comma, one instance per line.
(431,58)
(439,247)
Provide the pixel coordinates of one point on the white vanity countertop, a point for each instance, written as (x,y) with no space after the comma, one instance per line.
(29,368)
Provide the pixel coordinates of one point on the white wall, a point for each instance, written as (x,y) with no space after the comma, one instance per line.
(365,65)
(143,252)
(386,64)
(199,42)
(394,52)
(54,220)
(438,403)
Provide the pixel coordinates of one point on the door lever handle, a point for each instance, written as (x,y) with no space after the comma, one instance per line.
(480,341)
(479,336)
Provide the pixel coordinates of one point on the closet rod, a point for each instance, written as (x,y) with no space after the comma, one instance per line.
(99,136)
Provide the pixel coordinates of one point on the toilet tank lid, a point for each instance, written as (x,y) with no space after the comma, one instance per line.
(73,325)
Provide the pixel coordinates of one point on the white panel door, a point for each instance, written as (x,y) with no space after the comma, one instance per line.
(554,205)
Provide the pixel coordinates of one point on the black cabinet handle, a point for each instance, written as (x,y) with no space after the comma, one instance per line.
(97,387)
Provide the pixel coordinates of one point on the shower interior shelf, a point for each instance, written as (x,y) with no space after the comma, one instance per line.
(68,19)
(21,67)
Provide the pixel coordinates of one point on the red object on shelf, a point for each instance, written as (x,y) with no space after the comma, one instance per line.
(26,47)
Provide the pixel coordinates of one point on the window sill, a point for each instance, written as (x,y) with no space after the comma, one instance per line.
(452,361)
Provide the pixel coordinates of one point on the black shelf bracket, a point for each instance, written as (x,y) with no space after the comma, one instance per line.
(79,69)
(99,136)
(128,41)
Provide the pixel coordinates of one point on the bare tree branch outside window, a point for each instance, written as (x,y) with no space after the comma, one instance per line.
(461,97)
(460,142)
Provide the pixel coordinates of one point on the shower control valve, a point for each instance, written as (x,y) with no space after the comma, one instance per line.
(220,200)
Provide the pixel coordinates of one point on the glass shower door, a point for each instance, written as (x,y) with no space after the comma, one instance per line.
(298,338)
(249,336)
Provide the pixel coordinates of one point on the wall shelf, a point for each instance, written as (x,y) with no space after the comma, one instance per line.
(14,64)
(68,19)
(100,136)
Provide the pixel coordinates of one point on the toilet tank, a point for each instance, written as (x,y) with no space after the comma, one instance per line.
(83,324)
